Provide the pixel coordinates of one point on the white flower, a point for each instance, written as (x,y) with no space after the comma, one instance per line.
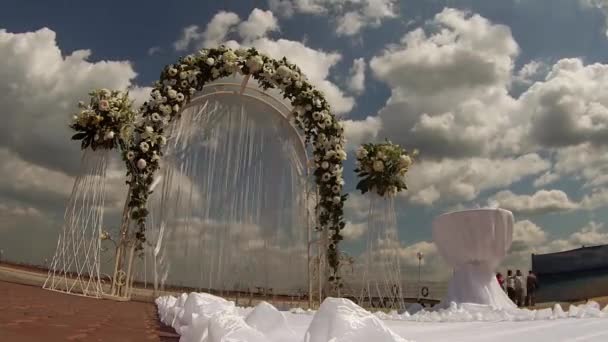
(295,75)
(229,57)
(189,59)
(336,189)
(298,84)
(109,135)
(104,105)
(149,130)
(405,161)
(318,103)
(192,91)
(381,156)
(180,97)
(327,122)
(215,73)
(330,154)
(203,52)
(337,200)
(141,164)
(210,61)
(172,93)
(162,140)
(166,109)
(184,83)
(105,92)
(176,108)
(172,72)
(325,165)
(183,75)
(317,116)
(241,52)
(130,155)
(378,166)
(156,117)
(144,147)
(308,107)
(341,154)
(155,156)
(75,117)
(326,176)
(284,72)
(361,153)
(298,110)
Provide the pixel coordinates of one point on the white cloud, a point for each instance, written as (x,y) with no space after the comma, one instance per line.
(541,202)
(154,50)
(215,33)
(531,71)
(351,15)
(258,25)
(545,179)
(463,179)
(361,131)
(356,83)
(449,88)
(39,88)
(354,231)
(601,5)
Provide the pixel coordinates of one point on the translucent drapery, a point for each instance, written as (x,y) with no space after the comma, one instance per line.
(75,266)
(228,214)
(381,284)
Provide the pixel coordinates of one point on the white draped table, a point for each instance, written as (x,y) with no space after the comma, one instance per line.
(474,242)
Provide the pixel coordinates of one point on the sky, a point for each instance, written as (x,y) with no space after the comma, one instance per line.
(507,101)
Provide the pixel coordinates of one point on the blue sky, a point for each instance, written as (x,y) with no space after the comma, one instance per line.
(516,43)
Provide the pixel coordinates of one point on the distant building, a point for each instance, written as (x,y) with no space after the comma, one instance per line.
(576,274)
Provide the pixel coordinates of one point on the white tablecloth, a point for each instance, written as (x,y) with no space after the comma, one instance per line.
(474,242)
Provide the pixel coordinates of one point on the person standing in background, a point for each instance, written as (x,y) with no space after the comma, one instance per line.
(531,287)
(519,288)
(501,280)
(511,285)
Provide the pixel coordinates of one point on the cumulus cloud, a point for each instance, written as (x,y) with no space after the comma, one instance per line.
(354,231)
(351,15)
(356,82)
(361,131)
(316,64)
(463,179)
(541,202)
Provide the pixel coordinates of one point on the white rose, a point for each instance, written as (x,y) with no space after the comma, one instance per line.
(183,75)
(337,200)
(141,164)
(298,84)
(144,147)
(104,105)
(130,155)
(405,161)
(378,166)
(210,61)
(336,189)
(172,93)
(342,155)
(149,130)
(318,103)
(184,83)
(284,72)
(163,140)
(109,135)
(381,156)
(176,108)
(361,153)
(166,109)
(156,117)
(317,116)
(180,97)
(172,71)
(326,176)
(308,107)
(325,165)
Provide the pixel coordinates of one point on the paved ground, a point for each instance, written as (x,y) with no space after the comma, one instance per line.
(29,313)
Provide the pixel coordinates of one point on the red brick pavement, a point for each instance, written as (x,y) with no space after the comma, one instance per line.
(30,313)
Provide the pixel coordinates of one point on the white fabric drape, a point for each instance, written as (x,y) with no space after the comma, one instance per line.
(474,242)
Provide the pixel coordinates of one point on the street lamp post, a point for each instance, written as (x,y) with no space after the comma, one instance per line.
(419,255)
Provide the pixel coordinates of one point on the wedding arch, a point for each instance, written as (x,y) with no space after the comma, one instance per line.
(143,142)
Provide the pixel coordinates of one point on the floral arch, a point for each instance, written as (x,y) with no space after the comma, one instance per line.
(142,144)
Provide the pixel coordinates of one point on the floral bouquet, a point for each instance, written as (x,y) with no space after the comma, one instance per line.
(382,168)
(105,121)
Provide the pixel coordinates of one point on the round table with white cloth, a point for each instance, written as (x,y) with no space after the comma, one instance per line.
(474,242)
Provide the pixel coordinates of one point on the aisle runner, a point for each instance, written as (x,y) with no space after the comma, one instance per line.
(204,317)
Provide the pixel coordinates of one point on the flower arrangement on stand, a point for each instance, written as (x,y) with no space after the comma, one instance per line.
(179,82)
(106,121)
(382,168)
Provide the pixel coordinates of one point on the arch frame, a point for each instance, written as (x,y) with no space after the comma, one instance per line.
(178,84)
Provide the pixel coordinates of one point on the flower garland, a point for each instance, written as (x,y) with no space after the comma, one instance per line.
(311,113)
(382,168)
(106,121)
